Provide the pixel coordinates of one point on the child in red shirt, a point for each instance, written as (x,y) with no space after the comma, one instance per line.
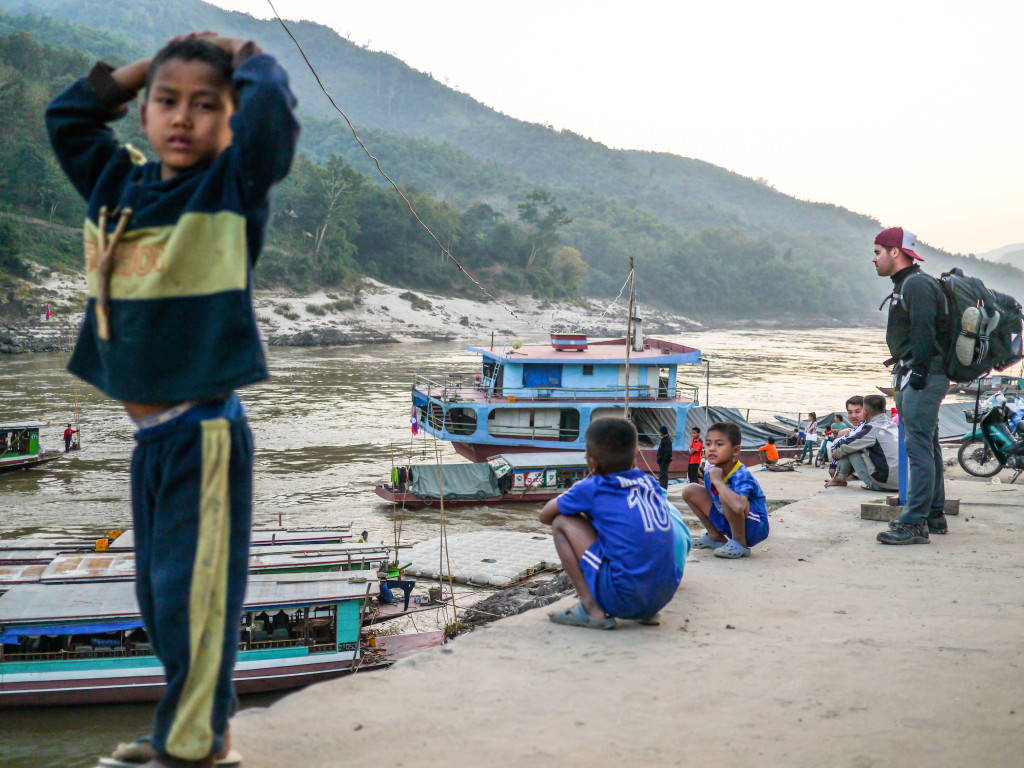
(696,451)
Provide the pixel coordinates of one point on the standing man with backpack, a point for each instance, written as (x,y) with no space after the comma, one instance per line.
(916,334)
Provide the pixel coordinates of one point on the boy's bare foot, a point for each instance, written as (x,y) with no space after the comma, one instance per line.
(834,483)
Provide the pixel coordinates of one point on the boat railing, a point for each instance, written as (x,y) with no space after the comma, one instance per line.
(450,388)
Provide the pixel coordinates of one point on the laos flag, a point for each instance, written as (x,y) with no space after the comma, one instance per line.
(414,422)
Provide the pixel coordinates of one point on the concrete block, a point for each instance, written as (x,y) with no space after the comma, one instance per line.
(888,511)
(881,512)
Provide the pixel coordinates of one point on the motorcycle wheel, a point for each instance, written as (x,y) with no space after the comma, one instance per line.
(977,459)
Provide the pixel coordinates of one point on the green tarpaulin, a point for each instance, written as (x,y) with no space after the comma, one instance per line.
(463,481)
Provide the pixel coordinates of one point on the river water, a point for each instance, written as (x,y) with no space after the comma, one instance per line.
(327,426)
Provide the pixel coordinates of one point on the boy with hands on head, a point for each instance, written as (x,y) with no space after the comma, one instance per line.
(731,505)
(170,332)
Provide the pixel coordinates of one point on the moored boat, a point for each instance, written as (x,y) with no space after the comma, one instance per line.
(64,644)
(19,446)
(543,397)
(503,479)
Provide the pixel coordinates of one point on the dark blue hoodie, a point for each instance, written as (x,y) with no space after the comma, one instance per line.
(182,323)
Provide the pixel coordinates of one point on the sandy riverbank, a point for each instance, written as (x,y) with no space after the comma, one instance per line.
(824,649)
(381,314)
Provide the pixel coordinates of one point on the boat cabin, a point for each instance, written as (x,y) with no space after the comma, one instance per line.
(82,643)
(543,397)
(19,446)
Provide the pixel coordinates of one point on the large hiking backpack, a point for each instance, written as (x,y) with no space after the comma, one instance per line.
(984,327)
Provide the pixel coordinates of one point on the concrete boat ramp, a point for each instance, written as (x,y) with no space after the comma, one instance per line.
(483,558)
(823,649)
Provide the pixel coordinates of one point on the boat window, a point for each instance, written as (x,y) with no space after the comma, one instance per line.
(569,425)
(588,370)
(525,423)
(460,421)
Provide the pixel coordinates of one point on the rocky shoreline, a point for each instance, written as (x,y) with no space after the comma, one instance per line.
(377,314)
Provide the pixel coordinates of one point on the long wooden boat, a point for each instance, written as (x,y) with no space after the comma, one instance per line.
(267,537)
(74,644)
(19,446)
(45,567)
(511,478)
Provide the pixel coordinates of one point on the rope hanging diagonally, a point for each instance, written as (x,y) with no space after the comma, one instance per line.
(408,203)
(609,307)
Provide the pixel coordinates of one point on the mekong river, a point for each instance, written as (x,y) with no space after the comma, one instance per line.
(327,426)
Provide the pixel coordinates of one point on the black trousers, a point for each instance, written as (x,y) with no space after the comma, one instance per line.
(691,472)
(663,475)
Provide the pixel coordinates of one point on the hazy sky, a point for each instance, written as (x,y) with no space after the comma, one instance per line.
(910,111)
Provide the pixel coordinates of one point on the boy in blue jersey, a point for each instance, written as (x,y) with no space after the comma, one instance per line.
(731,504)
(170,332)
(621,543)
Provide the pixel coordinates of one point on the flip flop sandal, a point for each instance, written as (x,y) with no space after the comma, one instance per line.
(141,751)
(578,617)
(651,621)
(706,542)
(732,550)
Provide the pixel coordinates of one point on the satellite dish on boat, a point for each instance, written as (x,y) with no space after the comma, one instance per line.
(516,344)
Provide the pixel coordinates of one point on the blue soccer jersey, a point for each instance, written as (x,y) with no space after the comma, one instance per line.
(634,567)
(741,481)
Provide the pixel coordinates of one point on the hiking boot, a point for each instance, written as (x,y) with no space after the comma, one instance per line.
(937,525)
(905,533)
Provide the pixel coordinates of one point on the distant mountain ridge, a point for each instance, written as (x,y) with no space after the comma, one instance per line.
(624,202)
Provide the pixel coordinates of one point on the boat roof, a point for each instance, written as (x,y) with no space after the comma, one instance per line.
(266,536)
(606,352)
(543,460)
(48,603)
(20,574)
(120,564)
(30,424)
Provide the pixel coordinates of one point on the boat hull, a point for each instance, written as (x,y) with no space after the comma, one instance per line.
(647,458)
(146,683)
(411,501)
(27,462)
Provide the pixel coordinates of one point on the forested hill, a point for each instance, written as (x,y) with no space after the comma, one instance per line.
(702,236)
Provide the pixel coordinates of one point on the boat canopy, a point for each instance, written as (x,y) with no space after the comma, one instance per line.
(753,436)
(462,481)
(19,425)
(540,460)
(109,603)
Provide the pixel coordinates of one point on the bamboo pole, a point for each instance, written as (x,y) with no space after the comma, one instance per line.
(629,332)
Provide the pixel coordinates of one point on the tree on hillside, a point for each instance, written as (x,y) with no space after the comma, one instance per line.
(543,218)
(570,269)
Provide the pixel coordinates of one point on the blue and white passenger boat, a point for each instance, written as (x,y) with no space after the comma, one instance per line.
(542,397)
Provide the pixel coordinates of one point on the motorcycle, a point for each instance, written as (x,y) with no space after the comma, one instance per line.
(995,441)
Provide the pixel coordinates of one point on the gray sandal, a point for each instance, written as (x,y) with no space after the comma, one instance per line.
(578,617)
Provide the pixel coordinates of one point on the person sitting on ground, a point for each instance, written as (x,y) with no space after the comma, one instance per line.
(871,450)
(854,415)
(731,505)
(390,576)
(769,454)
(810,438)
(622,545)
